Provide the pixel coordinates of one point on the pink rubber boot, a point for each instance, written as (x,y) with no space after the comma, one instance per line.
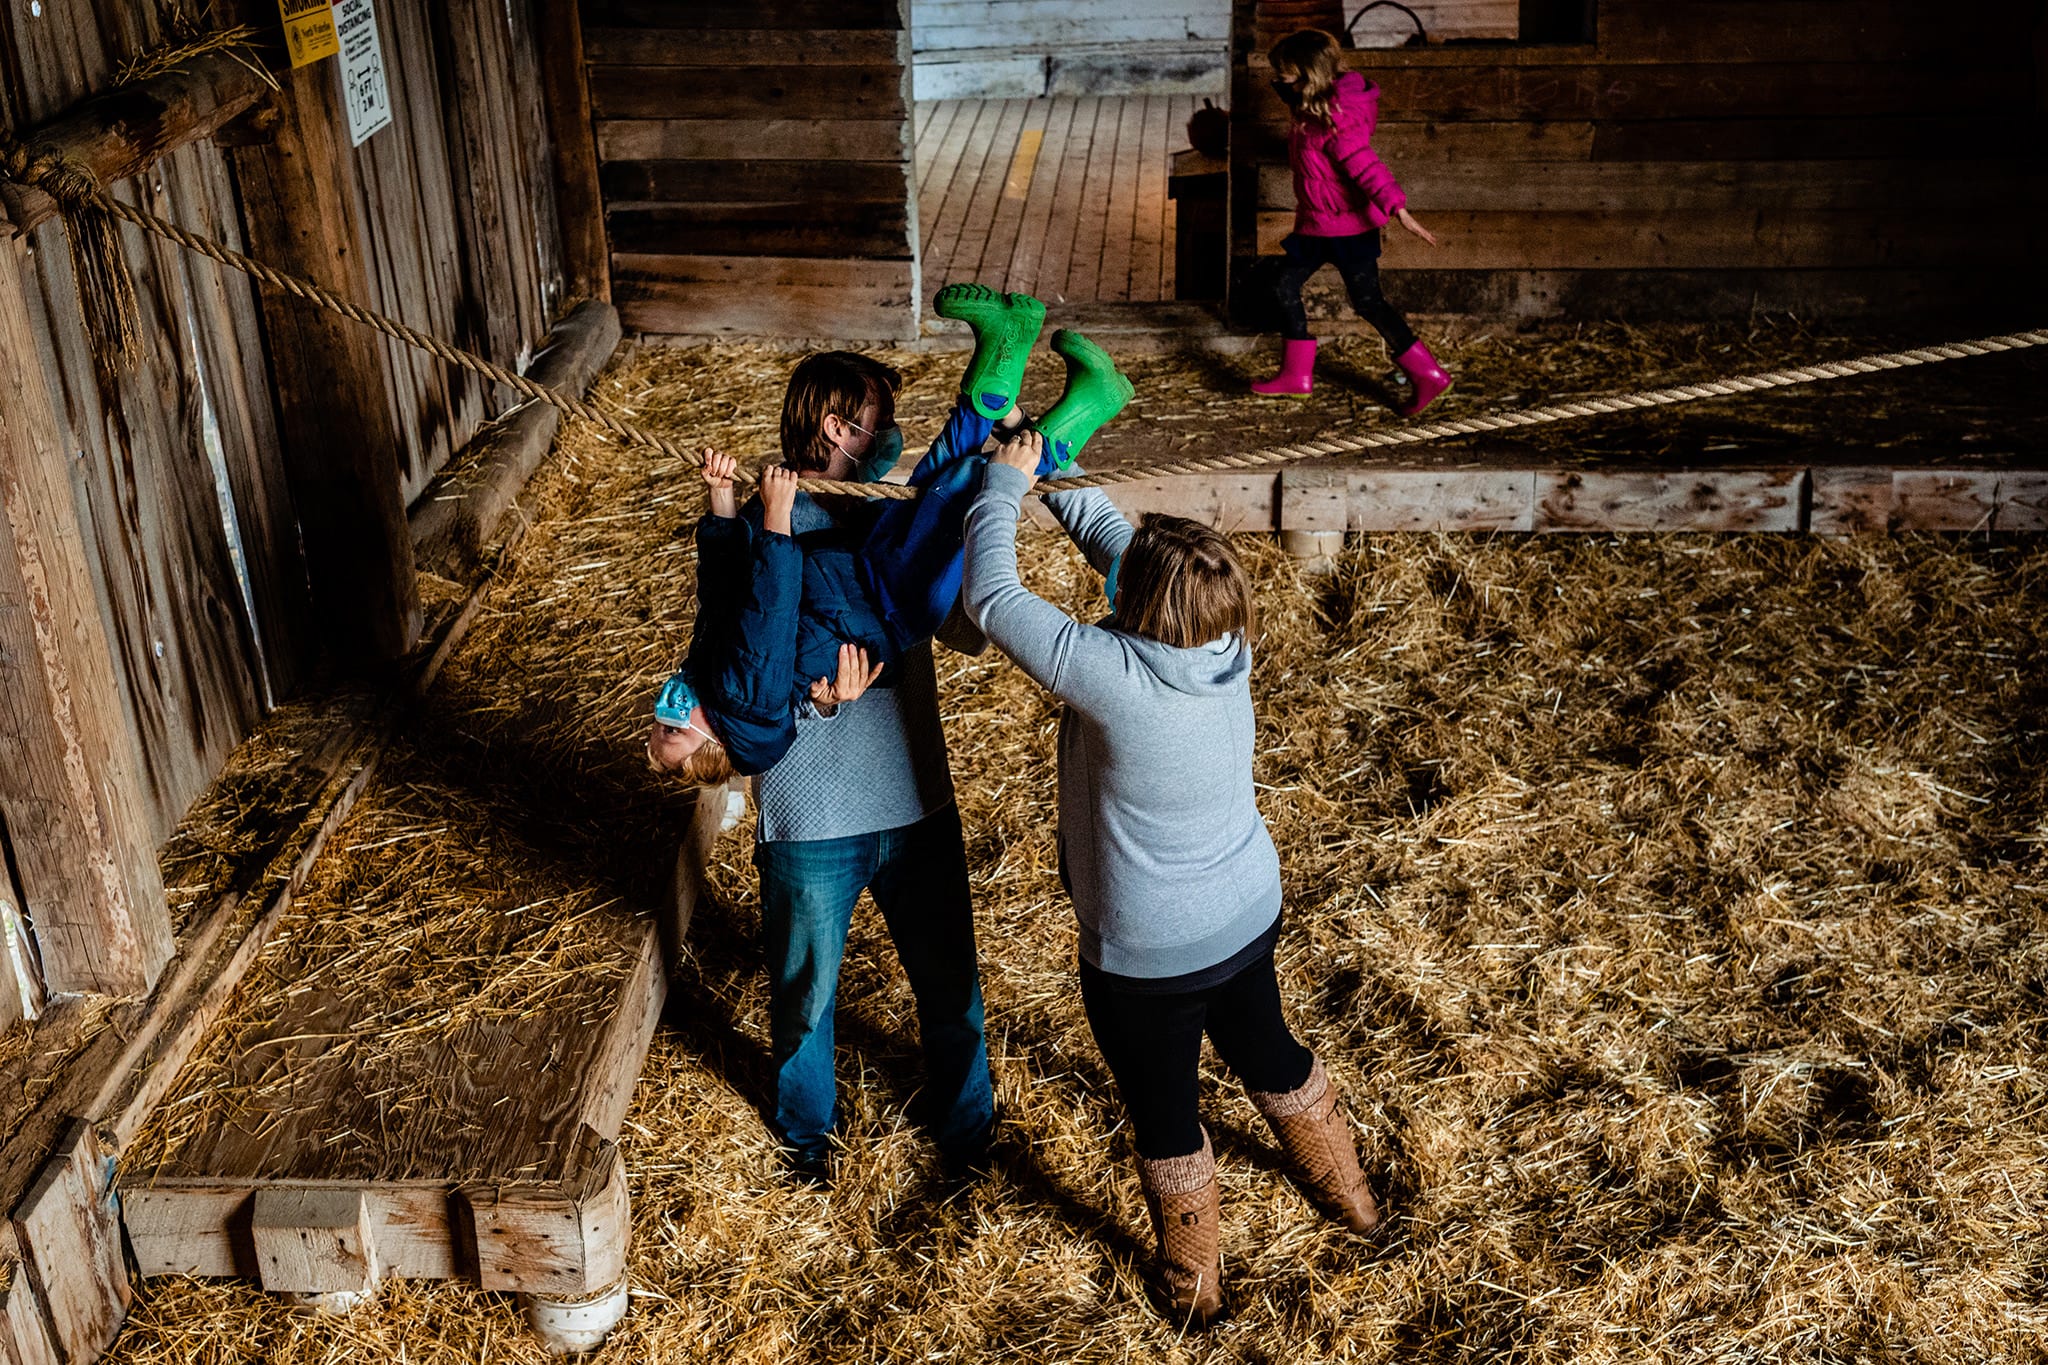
(1297,370)
(1425,374)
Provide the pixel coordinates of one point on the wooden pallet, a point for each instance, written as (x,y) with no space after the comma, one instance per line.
(273,1196)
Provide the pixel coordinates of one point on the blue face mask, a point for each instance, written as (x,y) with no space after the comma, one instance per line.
(883,453)
(676,701)
(1109,583)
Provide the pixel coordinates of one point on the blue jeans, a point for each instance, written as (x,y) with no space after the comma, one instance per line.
(918,875)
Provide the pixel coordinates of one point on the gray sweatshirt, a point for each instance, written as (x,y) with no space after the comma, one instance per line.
(1161,842)
(880,763)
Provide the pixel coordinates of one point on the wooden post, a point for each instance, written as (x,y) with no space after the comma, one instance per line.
(71,803)
(565,86)
(336,422)
(70,1238)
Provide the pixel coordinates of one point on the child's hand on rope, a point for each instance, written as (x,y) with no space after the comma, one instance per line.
(855,676)
(718,472)
(1407,220)
(1022,451)
(778,496)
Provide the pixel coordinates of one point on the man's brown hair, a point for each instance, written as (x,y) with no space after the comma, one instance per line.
(836,384)
(1181,584)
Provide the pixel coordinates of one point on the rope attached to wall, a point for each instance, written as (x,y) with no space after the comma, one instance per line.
(1267,457)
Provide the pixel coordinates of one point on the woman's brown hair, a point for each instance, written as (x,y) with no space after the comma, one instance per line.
(1181,584)
(836,384)
(1307,59)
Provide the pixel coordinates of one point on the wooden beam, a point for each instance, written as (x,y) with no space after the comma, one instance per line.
(127,130)
(24,1329)
(565,90)
(70,1239)
(456,516)
(71,803)
(341,449)
(314,1241)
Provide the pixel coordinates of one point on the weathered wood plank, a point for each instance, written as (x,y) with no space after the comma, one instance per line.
(314,1241)
(1657,500)
(744,14)
(339,439)
(644,184)
(1810,31)
(123,133)
(24,1332)
(2022,500)
(1448,500)
(1021,271)
(70,1239)
(1943,500)
(741,139)
(560,1239)
(1492,91)
(1651,240)
(1120,222)
(1018,172)
(965,262)
(1063,225)
(456,517)
(1091,209)
(75,815)
(788,228)
(579,200)
(1693,186)
(1850,500)
(1923,137)
(741,47)
(783,92)
(202,1227)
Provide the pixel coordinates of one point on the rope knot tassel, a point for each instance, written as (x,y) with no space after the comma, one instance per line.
(99,265)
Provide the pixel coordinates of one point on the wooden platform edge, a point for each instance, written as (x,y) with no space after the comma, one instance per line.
(1867,499)
(539,1237)
(111,1085)
(455,517)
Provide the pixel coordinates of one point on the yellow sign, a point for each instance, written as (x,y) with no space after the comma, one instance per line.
(309,30)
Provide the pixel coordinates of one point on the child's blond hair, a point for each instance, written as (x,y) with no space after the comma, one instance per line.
(1181,584)
(1309,56)
(707,766)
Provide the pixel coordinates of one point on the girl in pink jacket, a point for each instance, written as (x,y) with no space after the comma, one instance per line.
(1343,195)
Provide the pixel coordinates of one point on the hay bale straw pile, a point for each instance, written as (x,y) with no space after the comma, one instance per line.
(1673,911)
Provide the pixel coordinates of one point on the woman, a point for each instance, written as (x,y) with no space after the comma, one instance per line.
(1172,874)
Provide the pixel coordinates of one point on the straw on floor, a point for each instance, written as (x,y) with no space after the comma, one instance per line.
(1673,911)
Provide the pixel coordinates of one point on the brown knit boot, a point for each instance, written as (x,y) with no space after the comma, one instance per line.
(1310,1123)
(1186,1212)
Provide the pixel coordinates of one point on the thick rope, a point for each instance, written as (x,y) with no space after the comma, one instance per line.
(1257,459)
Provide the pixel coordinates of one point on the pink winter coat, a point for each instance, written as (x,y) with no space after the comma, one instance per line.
(1341,187)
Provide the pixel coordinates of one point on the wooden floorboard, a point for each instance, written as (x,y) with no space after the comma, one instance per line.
(1062,197)
(1021,272)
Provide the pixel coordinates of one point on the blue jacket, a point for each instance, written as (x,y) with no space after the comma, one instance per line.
(773,610)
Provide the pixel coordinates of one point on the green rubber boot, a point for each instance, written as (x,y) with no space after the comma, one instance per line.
(1096,392)
(1005,328)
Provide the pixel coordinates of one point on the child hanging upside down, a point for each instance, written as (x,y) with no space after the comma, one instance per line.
(786,621)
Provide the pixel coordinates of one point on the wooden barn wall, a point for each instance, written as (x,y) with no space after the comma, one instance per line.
(1699,157)
(147,451)
(458,227)
(756,167)
(457,213)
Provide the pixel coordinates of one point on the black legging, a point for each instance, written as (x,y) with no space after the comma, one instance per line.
(1358,260)
(1153,1044)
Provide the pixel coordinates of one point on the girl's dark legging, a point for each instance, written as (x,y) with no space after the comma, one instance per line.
(1358,260)
(1153,1044)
